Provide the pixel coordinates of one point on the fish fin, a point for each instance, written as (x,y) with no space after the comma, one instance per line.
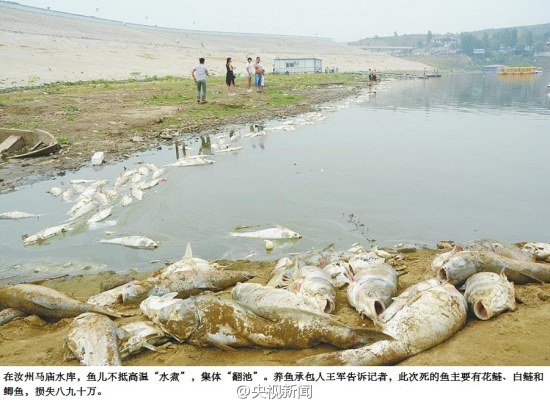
(169,296)
(188,253)
(221,346)
(269,313)
(153,348)
(349,273)
(106,311)
(280,227)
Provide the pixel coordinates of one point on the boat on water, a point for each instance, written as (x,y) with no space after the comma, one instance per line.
(517,70)
(15,143)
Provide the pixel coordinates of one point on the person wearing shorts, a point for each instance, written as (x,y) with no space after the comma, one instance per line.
(259,75)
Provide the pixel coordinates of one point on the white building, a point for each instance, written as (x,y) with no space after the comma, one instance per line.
(297,65)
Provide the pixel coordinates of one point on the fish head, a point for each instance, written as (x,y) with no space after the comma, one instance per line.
(457,268)
(489,294)
(322,291)
(287,233)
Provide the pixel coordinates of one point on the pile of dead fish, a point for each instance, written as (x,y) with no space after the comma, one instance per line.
(293,310)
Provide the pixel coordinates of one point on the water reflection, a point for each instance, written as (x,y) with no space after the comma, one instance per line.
(472,92)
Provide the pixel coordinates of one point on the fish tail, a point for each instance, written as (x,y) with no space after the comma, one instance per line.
(106,311)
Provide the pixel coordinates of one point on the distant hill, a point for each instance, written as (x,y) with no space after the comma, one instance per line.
(539,32)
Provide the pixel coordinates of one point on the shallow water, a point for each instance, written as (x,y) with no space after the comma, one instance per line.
(460,157)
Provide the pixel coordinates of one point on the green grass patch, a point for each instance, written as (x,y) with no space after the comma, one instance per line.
(281,99)
(165,99)
(62,140)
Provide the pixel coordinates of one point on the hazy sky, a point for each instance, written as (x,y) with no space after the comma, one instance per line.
(342,20)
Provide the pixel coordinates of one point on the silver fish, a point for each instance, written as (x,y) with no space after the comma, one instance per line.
(47,233)
(99,216)
(137,193)
(275,233)
(225,323)
(489,294)
(541,251)
(188,263)
(46,302)
(16,215)
(157,173)
(132,241)
(55,191)
(186,162)
(193,282)
(10,314)
(316,284)
(428,319)
(371,290)
(258,295)
(484,244)
(93,340)
(125,200)
(129,293)
(459,267)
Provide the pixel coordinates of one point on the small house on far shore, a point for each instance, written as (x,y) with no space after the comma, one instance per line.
(297,65)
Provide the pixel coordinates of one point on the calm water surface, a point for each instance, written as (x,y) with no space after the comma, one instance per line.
(460,157)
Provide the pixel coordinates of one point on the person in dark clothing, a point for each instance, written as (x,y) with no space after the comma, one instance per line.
(230,77)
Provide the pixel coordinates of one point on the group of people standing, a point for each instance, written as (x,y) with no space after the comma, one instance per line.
(256,70)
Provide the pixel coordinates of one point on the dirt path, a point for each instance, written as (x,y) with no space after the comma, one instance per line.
(516,338)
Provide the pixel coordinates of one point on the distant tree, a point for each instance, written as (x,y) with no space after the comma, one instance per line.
(429,37)
(469,42)
(540,46)
(395,33)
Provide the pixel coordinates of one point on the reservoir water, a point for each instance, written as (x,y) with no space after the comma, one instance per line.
(459,157)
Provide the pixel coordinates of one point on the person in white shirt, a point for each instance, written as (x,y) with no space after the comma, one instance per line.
(199,74)
(249,71)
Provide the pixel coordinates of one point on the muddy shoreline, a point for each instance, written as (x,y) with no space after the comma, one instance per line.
(91,119)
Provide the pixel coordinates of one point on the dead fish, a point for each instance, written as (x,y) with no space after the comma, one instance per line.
(316,284)
(99,216)
(134,337)
(371,290)
(225,323)
(10,314)
(258,295)
(228,149)
(132,241)
(193,282)
(92,339)
(55,191)
(144,171)
(484,244)
(86,208)
(188,263)
(157,173)
(489,294)
(337,271)
(68,195)
(275,233)
(424,321)
(46,302)
(132,292)
(47,233)
(459,267)
(16,215)
(137,193)
(362,261)
(541,251)
(100,198)
(281,273)
(149,184)
(187,162)
(80,181)
(125,200)
(98,184)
